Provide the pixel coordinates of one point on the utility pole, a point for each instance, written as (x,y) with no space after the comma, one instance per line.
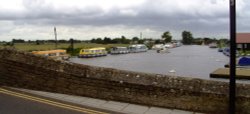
(141,35)
(55,37)
(232,56)
(72,44)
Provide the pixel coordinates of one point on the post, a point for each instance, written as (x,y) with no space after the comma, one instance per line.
(232,57)
(140,35)
(72,44)
(55,37)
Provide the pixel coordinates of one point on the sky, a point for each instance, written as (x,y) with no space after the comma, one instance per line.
(87,19)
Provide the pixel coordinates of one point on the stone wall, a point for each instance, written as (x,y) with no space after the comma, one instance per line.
(24,70)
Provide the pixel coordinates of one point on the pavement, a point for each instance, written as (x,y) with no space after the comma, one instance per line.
(15,105)
(111,106)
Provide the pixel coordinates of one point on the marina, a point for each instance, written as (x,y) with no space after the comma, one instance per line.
(190,61)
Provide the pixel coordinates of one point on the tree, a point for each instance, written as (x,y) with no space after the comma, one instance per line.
(141,41)
(167,36)
(99,41)
(93,40)
(107,40)
(187,37)
(37,42)
(135,39)
(158,41)
(18,41)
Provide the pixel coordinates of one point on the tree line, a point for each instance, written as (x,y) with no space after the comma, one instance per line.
(166,37)
(188,39)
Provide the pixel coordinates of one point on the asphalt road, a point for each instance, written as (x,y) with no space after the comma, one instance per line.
(16,103)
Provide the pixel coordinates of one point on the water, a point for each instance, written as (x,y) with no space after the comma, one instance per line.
(188,61)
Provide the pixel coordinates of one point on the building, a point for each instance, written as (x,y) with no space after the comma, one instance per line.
(243,41)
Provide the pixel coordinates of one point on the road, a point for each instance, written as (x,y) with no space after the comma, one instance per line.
(12,102)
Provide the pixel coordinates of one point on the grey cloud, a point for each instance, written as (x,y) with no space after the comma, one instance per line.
(151,14)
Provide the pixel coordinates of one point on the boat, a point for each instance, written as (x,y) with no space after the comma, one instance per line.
(178,44)
(244,61)
(226,51)
(169,45)
(119,50)
(92,52)
(220,49)
(138,48)
(162,50)
(157,46)
(213,45)
(58,54)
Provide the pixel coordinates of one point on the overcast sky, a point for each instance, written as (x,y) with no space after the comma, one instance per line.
(86,19)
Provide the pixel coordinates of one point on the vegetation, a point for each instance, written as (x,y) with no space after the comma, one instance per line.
(187,37)
(49,46)
(167,37)
(107,40)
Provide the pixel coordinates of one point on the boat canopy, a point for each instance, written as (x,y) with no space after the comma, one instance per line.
(244,61)
(49,52)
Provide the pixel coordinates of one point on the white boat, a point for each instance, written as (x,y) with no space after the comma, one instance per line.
(157,46)
(168,45)
(138,48)
(119,50)
(213,45)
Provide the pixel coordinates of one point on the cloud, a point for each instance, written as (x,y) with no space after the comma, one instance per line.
(202,17)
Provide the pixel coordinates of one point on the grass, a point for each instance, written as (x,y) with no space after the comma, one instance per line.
(50,46)
(246,53)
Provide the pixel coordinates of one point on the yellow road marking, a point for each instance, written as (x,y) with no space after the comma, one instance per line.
(53,103)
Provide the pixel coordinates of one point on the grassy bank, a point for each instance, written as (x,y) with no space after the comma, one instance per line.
(49,46)
(244,53)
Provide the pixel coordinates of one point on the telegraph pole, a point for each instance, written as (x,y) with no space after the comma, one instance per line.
(140,35)
(55,37)
(232,56)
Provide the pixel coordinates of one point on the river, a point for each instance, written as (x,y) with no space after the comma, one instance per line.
(189,61)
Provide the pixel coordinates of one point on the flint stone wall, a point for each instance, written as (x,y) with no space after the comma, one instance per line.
(24,70)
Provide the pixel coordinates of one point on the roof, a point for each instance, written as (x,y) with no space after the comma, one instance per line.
(243,38)
(97,48)
(49,51)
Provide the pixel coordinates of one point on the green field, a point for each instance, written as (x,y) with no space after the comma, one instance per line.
(50,46)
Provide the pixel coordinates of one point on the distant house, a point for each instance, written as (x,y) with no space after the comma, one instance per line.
(243,41)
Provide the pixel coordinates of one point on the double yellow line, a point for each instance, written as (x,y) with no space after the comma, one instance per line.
(53,103)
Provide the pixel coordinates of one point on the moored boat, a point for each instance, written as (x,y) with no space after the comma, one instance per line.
(119,50)
(157,46)
(162,50)
(92,52)
(213,45)
(244,61)
(58,54)
(138,48)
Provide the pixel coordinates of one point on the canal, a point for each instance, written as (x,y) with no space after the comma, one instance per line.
(189,61)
